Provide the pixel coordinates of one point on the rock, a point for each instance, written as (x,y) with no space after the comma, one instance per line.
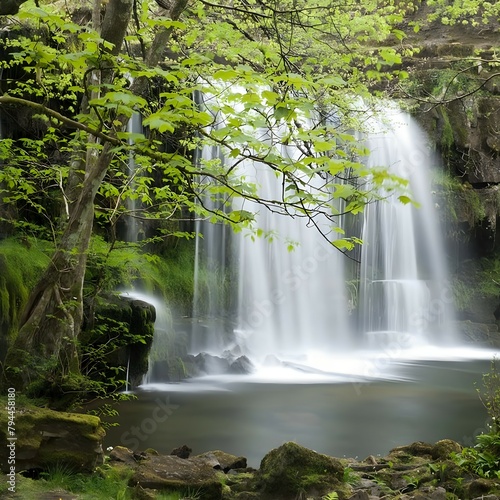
(171,473)
(409,453)
(46,437)
(226,460)
(360,495)
(241,366)
(443,448)
(211,460)
(182,451)
(209,364)
(122,454)
(291,469)
(138,317)
(480,488)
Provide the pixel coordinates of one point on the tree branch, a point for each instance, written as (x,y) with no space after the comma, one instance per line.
(6,99)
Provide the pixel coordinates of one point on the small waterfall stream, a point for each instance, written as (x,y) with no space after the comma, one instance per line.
(403,283)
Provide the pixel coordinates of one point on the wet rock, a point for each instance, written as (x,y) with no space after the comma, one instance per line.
(230,462)
(480,488)
(241,366)
(122,454)
(360,495)
(414,453)
(292,469)
(209,364)
(210,460)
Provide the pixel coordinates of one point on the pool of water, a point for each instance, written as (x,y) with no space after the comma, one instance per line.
(424,400)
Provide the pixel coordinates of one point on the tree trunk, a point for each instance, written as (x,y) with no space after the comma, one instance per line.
(52,319)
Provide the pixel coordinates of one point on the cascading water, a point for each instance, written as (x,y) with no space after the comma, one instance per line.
(134,126)
(134,233)
(291,291)
(295,305)
(404,295)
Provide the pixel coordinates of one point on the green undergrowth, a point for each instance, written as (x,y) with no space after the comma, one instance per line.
(106,483)
(169,275)
(461,202)
(103,484)
(480,280)
(22,261)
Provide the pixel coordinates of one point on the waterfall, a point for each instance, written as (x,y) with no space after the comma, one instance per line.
(134,126)
(212,255)
(291,290)
(294,303)
(404,296)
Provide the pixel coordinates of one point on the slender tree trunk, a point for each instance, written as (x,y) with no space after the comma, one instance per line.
(52,319)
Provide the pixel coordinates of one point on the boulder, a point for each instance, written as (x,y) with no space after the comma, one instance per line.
(408,453)
(170,473)
(46,438)
(213,365)
(292,470)
(241,366)
(123,455)
(182,451)
(480,488)
(443,448)
(226,461)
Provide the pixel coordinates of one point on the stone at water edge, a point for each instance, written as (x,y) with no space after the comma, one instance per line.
(182,451)
(291,469)
(225,460)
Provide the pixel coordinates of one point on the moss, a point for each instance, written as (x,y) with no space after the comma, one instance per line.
(291,468)
(447,138)
(22,262)
(46,437)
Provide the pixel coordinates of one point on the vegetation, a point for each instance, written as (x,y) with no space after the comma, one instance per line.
(459,201)
(78,84)
(484,458)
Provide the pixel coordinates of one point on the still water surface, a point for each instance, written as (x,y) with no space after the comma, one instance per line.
(424,401)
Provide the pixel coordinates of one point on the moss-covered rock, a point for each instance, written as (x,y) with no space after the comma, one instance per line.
(444,448)
(166,473)
(46,438)
(118,335)
(292,470)
(22,261)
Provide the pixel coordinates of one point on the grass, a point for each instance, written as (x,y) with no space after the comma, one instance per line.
(107,483)
(110,484)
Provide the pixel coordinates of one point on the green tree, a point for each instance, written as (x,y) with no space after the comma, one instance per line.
(296,68)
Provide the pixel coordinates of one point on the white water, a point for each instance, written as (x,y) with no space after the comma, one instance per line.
(162,334)
(288,299)
(405,297)
(295,307)
(134,126)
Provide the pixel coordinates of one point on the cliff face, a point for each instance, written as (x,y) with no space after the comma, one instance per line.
(454,91)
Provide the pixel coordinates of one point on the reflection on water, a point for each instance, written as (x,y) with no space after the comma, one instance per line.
(428,401)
